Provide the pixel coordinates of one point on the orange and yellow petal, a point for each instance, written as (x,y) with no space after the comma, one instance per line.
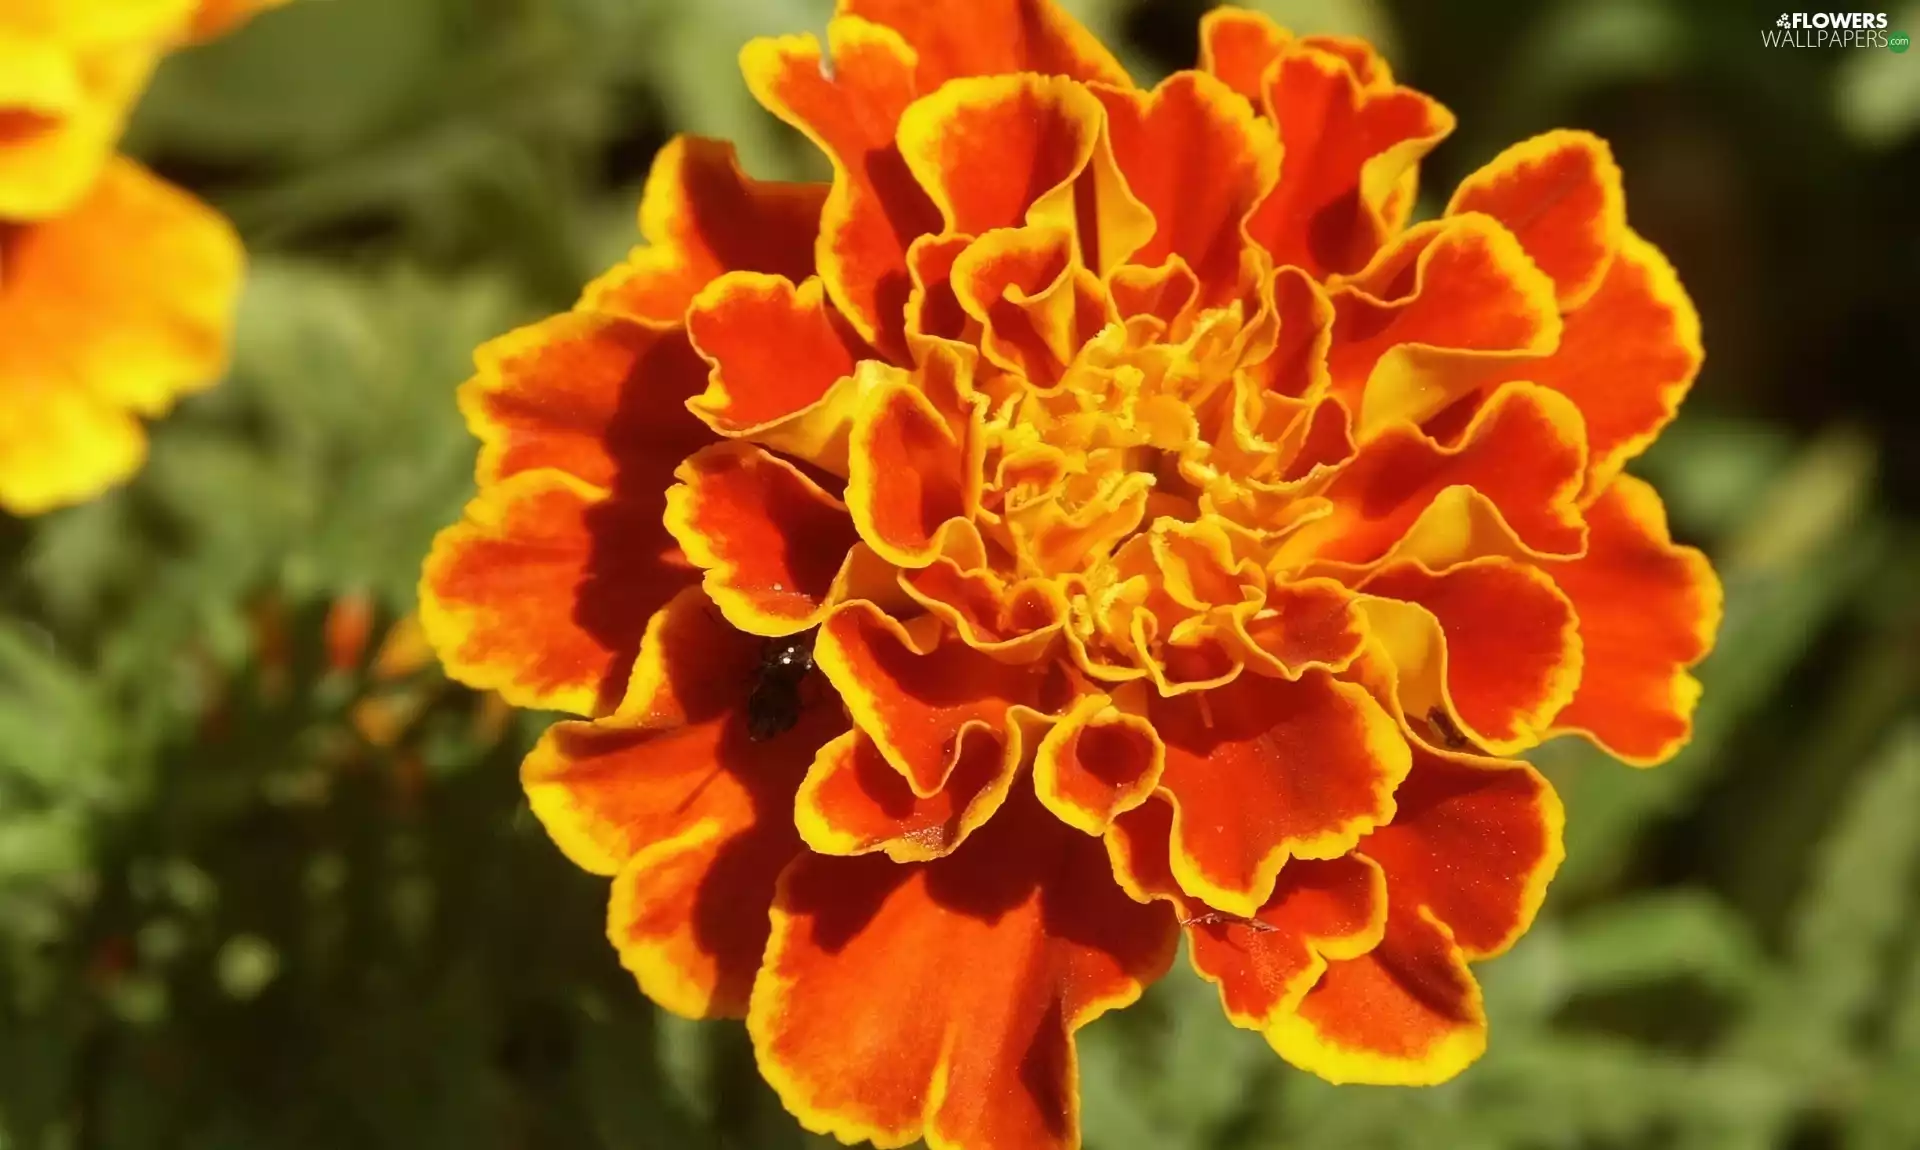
(1015,622)
(1304,624)
(1406,1013)
(63,445)
(1200,161)
(940,999)
(1096,764)
(1474,841)
(544,588)
(1263,770)
(1626,358)
(918,698)
(1000,151)
(1035,304)
(1298,364)
(1560,196)
(849,103)
(690,817)
(907,474)
(771,542)
(1649,609)
(1511,647)
(116,309)
(599,397)
(1524,454)
(776,348)
(1349,150)
(1320,911)
(994,38)
(702,216)
(853,802)
(1264,964)
(1239,46)
(68,89)
(1448,308)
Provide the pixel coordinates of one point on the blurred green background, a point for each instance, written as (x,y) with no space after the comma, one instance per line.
(267,882)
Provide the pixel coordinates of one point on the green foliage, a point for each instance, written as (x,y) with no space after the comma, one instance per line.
(256,892)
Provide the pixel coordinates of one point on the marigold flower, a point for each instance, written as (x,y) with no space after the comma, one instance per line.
(1187,541)
(116,289)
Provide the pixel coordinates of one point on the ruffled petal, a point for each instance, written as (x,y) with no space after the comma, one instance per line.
(691,817)
(1474,841)
(1508,659)
(1448,308)
(1154,301)
(996,152)
(851,110)
(1097,763)
(1035,304)
(918,698)
(1350,151)
(64,101)
(1369,66)
(1560,195)
(776,350)
(1263,770)
(1320,911)
(1238,46)
(1524,455)
(543,590)
(996,37)
(1649,609)
(773,544)
(1626,358)
(1304,624)
(940,999)
(854,803)
(64,445)
(907,474)
(702,217)
(1013,622)
(1407,1013)
(1200,161)
(599,397)
(1264,964)
(119,307)
(1298,365)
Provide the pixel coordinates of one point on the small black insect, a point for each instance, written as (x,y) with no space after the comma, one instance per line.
(774,706)
(1443,726)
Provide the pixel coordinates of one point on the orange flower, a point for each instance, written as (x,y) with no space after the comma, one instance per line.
(1184,540)
(116,289)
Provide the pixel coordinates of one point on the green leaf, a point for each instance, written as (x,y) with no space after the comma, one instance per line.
(1860,897)
(1887,1118)
(1661,937)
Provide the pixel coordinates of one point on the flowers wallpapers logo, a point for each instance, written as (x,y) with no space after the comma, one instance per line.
(1831,30)
(1186,538)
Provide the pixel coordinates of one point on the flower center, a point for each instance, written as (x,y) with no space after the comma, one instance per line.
(1135,458)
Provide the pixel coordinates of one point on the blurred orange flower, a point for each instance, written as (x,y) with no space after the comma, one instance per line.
(116,289)
(1185,540)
